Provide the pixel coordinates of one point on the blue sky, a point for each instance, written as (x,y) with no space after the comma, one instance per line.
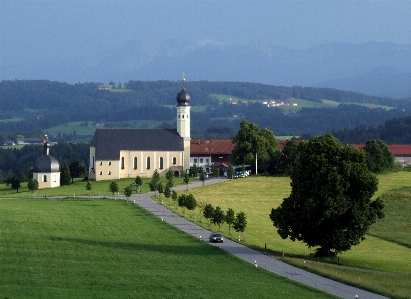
(35,30)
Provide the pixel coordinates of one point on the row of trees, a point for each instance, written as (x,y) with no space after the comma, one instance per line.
(259,148)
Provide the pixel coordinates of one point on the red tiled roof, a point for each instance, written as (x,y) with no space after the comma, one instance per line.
(211,147)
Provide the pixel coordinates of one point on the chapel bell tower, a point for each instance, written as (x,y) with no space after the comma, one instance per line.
(183,122)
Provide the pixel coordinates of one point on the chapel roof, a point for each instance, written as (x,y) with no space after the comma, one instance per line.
(109,142)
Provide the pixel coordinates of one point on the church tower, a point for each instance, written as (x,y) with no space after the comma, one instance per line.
(183,122)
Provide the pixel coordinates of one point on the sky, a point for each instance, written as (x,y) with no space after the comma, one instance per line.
(52,29)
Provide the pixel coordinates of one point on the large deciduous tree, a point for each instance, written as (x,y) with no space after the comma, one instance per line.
(330,203)
(378,156)
(251,142)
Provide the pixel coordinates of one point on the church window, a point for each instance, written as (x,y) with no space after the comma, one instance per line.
(174,160)
(161,163)
(101,173)
(101,163)
(135,163)
(109,173)
(148,163)
(183,115)
(109,163)
(122,162)
(44,178)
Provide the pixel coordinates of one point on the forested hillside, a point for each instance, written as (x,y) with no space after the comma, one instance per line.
(28,106)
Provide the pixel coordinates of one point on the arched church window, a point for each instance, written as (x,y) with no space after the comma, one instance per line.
(44,178)
(122,162)
(148,163)
(161,163)
(135,163)
(174,160)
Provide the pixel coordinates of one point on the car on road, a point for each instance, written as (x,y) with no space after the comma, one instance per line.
(216,238)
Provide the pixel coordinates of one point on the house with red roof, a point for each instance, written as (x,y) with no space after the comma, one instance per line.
(210,153)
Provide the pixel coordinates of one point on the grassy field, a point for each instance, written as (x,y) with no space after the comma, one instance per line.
(102,248)
(384,255)
(381,263)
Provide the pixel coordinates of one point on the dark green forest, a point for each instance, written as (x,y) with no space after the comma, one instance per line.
(29,107)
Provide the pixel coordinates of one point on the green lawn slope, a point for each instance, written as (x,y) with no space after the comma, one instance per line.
(102,248)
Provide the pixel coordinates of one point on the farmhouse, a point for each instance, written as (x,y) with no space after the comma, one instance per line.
(125,153)
(210,153)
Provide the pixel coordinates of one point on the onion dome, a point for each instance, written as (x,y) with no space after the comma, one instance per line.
(183,98)
(46,163)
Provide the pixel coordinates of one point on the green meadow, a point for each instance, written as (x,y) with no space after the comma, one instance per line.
(385,255)
(105,248)
(381,263)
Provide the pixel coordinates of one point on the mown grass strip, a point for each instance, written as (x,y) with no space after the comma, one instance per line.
(101,248)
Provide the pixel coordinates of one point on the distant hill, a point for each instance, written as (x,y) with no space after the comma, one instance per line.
(33,105)
(373,68)
(382,81)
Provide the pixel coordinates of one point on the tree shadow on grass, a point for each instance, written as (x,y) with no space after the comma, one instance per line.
(145,247)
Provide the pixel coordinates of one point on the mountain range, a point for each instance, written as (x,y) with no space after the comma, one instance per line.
(374,68)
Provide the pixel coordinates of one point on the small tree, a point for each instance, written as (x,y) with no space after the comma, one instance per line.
(202,175)
(201,205)
(33,185)
(154,181)
(160,189)
(139,182)
(167,193)
(193,170)
(240,222)
(186,178)
(218,217)
(209,212)
(230,171)
(182,200)
(191,203)
(127,193)
(216,172)
(89,187)
(113,188)
(77,169)
(229,219)
(15,180)
(65,178)
(170,177)
(174,196)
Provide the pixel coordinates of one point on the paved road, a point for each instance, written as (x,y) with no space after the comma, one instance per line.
(250,255)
